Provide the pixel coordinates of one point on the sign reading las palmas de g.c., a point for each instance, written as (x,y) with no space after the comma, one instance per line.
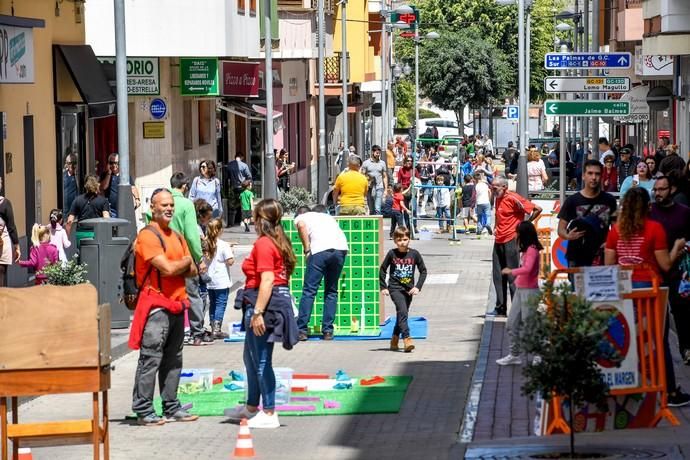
(199,76)
(586,108)
(143,77)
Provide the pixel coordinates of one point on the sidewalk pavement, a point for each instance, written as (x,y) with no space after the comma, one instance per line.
(426,427)
(502,416)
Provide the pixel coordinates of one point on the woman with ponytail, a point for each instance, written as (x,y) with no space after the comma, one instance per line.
(218,257)
(267,313)
(58,235)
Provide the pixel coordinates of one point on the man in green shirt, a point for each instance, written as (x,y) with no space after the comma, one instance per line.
(184,222)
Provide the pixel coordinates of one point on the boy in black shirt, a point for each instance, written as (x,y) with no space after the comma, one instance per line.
(402,262)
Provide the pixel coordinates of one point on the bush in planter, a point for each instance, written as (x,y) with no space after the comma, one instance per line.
(296,197)
(65,274)
(567,340)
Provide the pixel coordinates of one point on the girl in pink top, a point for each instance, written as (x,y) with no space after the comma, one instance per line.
(527,284)
(42,253)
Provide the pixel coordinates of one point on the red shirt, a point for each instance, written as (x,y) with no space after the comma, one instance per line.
(405,175)
(397,199)
(263,258)
(639,248)
(511,209)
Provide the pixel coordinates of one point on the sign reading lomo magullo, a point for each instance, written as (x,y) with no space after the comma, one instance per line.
(143,77)
(199,76)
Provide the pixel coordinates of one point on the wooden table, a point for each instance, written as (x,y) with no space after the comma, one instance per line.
(40,382)
(66,351)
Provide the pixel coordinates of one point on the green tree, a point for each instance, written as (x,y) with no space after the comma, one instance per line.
(497,25)
(466,70)
(404,103)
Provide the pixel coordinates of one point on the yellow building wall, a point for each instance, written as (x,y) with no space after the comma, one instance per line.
(36,99)
(361,54)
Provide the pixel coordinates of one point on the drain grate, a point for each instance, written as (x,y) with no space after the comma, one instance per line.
(531,453)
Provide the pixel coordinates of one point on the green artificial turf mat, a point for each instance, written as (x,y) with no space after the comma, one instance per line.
(383,398)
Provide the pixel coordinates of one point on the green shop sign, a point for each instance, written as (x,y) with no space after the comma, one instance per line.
(199,76)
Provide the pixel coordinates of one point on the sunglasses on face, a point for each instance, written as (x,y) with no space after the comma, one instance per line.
(114,162)
(659,189)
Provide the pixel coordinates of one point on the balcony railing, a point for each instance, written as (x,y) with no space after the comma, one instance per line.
(328,6)
(332,71)
(633,4)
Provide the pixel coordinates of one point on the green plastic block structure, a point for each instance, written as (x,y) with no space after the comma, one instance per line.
(359,303)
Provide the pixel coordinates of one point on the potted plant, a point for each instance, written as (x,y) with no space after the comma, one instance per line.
(565,340)
(294,198)
(65,274)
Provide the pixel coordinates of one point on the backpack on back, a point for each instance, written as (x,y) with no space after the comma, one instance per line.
(130,289)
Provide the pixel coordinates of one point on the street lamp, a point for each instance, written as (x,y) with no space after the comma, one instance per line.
(417,41)
(407,69)
(523,90)
(563,27)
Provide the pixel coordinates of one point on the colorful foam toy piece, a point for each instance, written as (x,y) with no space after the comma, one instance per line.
(342,386)
(341,376)
(236,376)
(331,404)
(233,386)
(375,380)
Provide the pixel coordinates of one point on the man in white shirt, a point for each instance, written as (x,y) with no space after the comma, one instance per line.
(325,247)
(483,205)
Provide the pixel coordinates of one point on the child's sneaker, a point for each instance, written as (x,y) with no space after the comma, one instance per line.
(509,360)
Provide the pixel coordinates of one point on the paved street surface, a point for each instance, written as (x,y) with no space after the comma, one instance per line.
(427,426)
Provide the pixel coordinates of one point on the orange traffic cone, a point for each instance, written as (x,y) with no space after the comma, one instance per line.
(25,454)
(244,447)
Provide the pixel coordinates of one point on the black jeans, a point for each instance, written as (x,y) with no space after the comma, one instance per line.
(680,307)
(161,353)
(402,301)
(505,255)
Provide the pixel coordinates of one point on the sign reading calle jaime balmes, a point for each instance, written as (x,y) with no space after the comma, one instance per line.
(16,54)
(586,108)
(586,84)
(199,77)
(143,77)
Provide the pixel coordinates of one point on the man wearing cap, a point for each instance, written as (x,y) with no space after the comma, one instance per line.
(626,165)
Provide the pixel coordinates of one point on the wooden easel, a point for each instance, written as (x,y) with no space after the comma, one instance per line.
(67,351)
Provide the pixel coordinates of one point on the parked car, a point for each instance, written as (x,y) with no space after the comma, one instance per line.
(449,145)
(445,127)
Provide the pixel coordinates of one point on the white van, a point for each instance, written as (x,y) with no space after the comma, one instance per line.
(445,127)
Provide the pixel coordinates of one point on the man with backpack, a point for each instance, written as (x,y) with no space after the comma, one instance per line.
(162,263)
(184,222)
(585,217)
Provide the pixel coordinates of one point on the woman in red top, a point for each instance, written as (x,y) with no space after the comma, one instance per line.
(636,239)
(609,175)
(267,268)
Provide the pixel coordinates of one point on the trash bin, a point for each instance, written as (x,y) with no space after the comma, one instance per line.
(102,254)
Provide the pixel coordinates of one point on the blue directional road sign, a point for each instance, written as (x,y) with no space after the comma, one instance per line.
(554,61)
(512,112)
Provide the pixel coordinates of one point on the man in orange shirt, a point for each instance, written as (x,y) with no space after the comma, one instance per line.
(511,209)
(163,262)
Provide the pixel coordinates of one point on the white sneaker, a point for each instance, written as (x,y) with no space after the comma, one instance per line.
(263,420)
(237,413)
(509,360)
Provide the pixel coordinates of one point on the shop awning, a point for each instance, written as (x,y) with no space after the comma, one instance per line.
(252,112)
(88,76)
